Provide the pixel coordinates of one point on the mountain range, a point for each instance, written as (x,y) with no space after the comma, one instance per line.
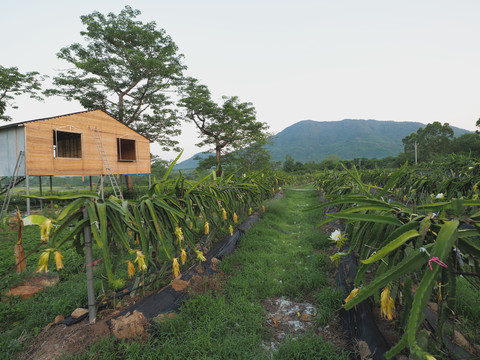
(309,140)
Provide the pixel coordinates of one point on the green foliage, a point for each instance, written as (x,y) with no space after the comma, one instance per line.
(14,83)
(125,69)
(432,140)
(406,240)
(226,127)
(466,144)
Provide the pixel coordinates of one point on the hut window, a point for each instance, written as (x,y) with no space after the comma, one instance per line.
(67,144)
(126,150)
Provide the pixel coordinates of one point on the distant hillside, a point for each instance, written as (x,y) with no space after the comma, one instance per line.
(314,140)
(310,140)
(190,163)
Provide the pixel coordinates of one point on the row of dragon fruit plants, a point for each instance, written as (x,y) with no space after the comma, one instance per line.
(161,232)
(417,230)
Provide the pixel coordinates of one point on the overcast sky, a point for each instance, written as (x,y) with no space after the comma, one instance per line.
(323,60)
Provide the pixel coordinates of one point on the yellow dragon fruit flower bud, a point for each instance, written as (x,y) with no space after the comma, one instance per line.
(175,267)
(179,234)
(263,208)
(353,293)
(58,260)
(207,228)
(235,218)
(130,268)
(335,258)
(140,260)
(230,228)
(43,262)
(183,256)
(224,214)
(250,211)
(387,304)
(45,228)
(200,256)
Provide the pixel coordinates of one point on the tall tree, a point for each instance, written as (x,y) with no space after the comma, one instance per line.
(251,158)
(126,69)
(468,144)
(255,157)
(227,127)
(433,140)
(14,83)
(289,163)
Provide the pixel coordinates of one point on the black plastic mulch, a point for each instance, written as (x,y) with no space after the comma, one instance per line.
(359,322)
(167,299)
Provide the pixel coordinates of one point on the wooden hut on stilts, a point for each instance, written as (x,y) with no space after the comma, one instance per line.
(85,143)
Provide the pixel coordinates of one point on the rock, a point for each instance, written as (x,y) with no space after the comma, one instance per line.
(433,306)
(179,285)
(79,312)
(24,291)
(199,269)
(364,351)
(129,325)
(214,262)
(58,318)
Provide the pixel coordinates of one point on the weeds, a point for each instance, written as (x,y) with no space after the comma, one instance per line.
(309,346)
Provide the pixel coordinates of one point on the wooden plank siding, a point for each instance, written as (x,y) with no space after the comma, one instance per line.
(40,141)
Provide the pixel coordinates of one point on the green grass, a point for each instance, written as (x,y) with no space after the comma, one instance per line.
(468,309)
(277,257)
(308,346)
(21,321)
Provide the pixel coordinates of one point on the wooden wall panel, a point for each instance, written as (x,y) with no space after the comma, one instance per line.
(40,157)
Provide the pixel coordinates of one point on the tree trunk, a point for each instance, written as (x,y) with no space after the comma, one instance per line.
(219,165)
(128,180)
(19,258)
